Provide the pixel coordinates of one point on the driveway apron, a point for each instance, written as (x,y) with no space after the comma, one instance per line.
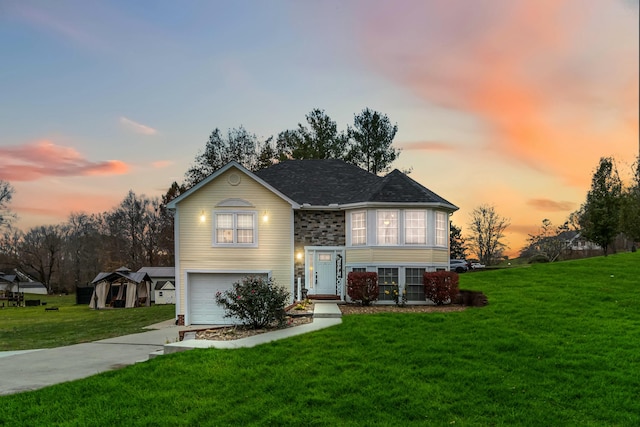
(31,370)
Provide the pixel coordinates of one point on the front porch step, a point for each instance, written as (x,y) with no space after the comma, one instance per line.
(323,297)
(326,310)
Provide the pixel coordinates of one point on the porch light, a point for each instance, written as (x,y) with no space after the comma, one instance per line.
(265,216)
(299,256)
(203,217)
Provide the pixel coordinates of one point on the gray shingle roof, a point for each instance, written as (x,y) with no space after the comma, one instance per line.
(158,271)
(135,277)
(328,182)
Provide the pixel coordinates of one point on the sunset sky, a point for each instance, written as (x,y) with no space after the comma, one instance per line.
(508,103)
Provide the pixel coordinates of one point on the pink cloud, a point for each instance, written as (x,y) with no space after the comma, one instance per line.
(551,205)
(43,158)
(552,92)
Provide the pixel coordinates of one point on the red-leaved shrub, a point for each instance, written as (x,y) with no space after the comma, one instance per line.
(363,287)
(440,286)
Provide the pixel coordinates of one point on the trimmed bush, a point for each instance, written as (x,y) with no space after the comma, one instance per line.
(538,258)
(440,286)
(255,302)
(362,287)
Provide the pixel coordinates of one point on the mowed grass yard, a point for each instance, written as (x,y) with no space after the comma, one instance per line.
(558,345)
(24,328)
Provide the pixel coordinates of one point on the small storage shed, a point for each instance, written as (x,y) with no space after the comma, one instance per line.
(159,274)
(165,292)
(121,289)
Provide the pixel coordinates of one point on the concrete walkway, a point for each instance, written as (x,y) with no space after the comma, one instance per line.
(325,314)
(34,369)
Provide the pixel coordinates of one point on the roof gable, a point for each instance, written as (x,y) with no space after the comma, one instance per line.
(173,204)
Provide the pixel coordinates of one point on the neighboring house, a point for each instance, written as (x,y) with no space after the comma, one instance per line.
(20,282)
(121,289)
(159,274)
(8,282)
(575,242)
(308,220)
(165,292)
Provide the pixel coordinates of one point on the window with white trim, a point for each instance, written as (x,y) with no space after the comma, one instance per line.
(387,283)
(415,227)
(359,228)
(413,284)
(235,229)
(387,227)
(441,229)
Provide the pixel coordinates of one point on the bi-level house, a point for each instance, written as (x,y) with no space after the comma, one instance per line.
(304,221)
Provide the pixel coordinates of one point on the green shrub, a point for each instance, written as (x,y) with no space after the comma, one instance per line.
(538,258)
(362,287)
(255,302)
(440,286)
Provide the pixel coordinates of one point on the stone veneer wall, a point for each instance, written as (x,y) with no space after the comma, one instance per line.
(317,228)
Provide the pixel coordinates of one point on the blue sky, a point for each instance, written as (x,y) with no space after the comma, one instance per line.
(509,103)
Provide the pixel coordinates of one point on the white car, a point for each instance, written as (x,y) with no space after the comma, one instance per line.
(477,265)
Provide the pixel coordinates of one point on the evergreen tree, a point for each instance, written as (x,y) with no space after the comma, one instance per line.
(600,214)
(372,137)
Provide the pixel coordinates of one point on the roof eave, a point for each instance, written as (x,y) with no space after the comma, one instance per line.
(345,206)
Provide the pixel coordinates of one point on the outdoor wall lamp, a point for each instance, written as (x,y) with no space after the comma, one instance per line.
(265,216)
(203,217)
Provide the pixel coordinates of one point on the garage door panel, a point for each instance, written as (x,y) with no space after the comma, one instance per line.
(203,309)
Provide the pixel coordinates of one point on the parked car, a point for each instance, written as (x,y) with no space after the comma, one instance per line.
(477,265)
(458,265)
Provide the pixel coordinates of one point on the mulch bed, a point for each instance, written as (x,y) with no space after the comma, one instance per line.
(348,309)
(300,317)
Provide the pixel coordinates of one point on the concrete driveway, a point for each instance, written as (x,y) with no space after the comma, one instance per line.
(34,369)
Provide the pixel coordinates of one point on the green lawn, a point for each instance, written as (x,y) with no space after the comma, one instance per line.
(558,345)
(23,328)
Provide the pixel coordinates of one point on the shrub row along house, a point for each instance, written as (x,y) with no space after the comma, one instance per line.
(311,221)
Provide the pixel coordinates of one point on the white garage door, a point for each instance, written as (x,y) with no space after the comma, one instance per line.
(203,309)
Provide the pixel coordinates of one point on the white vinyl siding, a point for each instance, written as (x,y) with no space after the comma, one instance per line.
(387,227)
(235,229)
(415,227)
(359,228)
(441,229)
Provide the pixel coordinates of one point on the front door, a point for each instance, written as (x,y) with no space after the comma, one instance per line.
(325,273)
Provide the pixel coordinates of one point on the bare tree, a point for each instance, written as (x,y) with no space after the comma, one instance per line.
(81,258)
(6,193)
(39,253)
(487,231)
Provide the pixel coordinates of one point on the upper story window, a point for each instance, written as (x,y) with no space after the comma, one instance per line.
(359,228)
(235,228)
(441,229)
(387,227)
(415,227)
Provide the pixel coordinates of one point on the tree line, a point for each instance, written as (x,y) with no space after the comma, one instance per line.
(611,211)
(367,144)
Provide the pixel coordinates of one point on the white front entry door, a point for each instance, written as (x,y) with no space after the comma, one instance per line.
(325,273)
